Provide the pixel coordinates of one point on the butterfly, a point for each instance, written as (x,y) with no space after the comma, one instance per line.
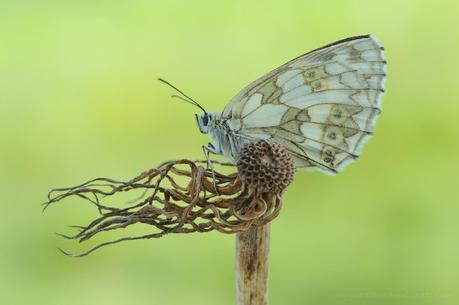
(321,106)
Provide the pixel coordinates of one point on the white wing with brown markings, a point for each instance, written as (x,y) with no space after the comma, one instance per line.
(321,106)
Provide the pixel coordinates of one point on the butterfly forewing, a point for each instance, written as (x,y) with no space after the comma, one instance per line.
(321,106)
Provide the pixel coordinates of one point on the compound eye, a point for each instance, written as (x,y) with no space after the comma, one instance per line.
(205,119)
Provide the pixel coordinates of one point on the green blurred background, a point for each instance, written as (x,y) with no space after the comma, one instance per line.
(79,99)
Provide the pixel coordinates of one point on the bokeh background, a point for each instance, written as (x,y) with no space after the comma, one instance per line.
(79,99)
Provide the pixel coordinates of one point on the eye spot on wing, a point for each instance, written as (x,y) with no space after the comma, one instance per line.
(311,74)
(338,114)
(328,155)
(319,85)
(333,135)
(314,73)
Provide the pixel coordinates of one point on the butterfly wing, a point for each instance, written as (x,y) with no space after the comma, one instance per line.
(321,106)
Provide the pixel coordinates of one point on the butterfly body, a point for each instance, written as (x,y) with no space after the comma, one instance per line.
(225,139)
(320,106)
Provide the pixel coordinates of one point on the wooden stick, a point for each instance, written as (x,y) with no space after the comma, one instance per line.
(252,265)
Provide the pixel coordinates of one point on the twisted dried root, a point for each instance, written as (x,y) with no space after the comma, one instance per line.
(178,197)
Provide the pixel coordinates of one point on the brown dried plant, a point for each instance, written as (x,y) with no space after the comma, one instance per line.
(182,196)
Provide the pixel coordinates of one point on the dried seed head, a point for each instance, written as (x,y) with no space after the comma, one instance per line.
(266,166)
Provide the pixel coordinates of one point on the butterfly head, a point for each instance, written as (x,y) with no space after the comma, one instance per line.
(204,121)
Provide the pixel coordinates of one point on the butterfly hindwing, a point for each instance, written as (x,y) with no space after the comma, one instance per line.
(321,106)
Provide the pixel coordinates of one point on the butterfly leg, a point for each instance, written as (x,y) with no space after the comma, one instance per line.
(207,150)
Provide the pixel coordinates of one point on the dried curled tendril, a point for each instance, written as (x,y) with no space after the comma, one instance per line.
(177,197)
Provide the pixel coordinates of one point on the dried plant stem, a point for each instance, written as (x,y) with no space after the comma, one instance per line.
(178,196)
(252,265)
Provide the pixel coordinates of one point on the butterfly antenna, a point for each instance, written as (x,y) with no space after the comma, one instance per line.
(186,98)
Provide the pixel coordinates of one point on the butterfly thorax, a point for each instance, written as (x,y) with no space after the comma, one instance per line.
(224,139)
